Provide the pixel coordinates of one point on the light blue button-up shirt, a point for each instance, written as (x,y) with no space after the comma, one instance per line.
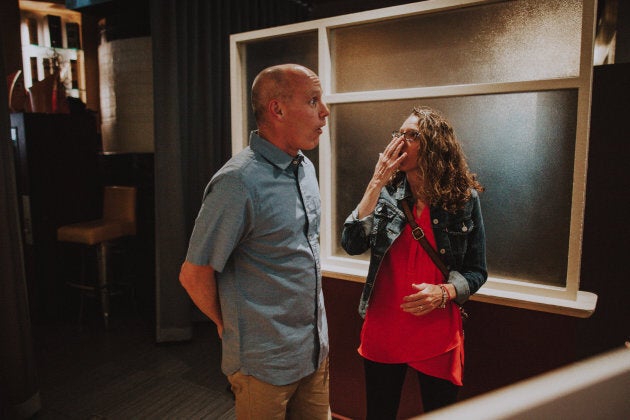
(260,233)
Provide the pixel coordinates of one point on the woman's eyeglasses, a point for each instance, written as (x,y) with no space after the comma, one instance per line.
(409,135)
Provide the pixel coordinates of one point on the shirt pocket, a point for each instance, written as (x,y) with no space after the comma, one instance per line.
(382,226)
(458,232)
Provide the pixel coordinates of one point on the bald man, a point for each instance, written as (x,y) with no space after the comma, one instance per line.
(253,259)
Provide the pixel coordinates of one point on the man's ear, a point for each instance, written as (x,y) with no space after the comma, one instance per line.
(275,109)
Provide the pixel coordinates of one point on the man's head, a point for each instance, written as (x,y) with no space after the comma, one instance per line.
(288,106)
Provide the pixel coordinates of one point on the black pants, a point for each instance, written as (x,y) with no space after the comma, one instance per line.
(383,383)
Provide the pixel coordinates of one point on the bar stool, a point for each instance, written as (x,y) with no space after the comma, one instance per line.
(119,220)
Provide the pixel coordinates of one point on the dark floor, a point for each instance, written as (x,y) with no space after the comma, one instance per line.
(90,373)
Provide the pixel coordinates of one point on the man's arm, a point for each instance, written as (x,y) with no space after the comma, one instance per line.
(201,285)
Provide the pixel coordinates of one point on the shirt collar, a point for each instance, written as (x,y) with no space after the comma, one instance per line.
(272,153)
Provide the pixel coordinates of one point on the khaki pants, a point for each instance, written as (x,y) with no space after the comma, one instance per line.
(304,399)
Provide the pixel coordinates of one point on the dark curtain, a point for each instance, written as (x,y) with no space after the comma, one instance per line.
(192,124)
(19,394)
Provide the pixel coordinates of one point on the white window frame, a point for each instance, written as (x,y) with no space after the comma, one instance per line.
(567,300)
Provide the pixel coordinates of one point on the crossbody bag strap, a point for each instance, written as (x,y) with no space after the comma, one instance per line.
(418,234)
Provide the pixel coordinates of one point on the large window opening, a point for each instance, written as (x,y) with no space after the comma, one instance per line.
(514,78)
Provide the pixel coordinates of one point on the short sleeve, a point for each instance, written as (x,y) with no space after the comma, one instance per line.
(221,222)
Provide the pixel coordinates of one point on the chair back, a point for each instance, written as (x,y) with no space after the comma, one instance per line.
(119,203)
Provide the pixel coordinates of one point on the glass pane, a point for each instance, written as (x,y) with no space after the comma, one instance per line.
(298,48)
(501,42)
(520,145)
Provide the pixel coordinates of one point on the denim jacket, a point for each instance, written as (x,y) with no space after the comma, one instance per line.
(460,239)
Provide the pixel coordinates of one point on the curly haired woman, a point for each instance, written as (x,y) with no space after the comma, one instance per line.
(410,306)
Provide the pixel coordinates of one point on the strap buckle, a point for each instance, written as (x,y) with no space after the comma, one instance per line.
(417,233)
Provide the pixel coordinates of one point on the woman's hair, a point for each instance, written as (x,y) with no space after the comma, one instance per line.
(441,163)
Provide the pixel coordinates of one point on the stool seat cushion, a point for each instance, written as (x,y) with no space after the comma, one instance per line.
(96,231)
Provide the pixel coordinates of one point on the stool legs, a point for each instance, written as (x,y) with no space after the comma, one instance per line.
(103,288)
(103,281)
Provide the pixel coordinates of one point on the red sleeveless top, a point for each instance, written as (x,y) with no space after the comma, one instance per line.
(433,343)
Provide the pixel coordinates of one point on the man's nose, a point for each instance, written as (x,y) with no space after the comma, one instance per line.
(325,111)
